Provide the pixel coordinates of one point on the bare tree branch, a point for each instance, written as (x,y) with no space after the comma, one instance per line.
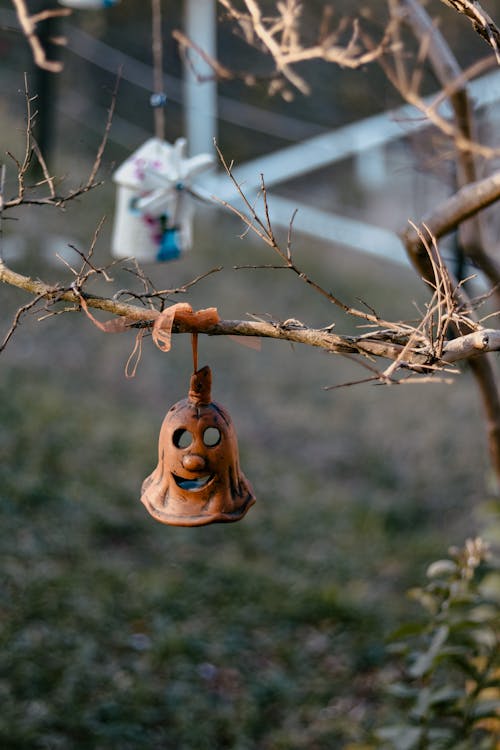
(17,318)
(466,347)
(279,36)
(263,229)
(44,192)
(453,211)
(481,21)
(450,76)
(418,358)
(486,381)
(29,22)
(421,347)
(453,82)
(289,330)
(219,70)
(102,146)
(406,76)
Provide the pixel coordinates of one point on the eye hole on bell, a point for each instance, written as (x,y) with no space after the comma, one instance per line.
(211,437)
(182,438)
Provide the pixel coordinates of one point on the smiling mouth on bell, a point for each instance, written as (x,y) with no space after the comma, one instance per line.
(192,484)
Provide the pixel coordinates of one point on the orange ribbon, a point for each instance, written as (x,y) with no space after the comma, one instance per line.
(181,313)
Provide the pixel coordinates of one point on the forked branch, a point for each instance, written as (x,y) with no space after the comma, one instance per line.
(29,22)
(45,191)
(279,36)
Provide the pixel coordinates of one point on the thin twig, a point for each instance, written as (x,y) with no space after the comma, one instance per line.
(105,136)
(164,294)
(219,70)
(30,195)
(17,318)
(264,230)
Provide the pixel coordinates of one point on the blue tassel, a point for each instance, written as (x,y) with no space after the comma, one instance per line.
(169,245)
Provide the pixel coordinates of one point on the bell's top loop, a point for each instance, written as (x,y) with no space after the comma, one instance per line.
(200,386)
(194,346)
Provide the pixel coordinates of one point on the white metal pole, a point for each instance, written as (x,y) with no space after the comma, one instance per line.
(200,97)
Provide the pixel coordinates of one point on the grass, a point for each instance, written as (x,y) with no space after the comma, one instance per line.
(120,633)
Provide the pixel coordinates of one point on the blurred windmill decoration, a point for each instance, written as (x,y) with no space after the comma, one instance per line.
(154,205)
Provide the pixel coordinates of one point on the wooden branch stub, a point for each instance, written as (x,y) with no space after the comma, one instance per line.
(465,347)
(465,203)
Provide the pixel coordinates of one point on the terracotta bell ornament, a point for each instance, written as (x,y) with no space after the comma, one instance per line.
(198,479)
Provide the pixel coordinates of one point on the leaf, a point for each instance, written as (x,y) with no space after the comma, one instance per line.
(484,613)
(408,629)
(425,599)
(445,694)
(441,738)
(428,700)
(441,568)
(467,666)
(486,708)
(402,690)
(402,737)
(490,586)
(425,661)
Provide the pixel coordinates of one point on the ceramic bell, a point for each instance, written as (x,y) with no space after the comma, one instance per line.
(198,479)
(154,209)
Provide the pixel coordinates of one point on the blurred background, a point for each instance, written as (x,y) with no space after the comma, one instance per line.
(118,632)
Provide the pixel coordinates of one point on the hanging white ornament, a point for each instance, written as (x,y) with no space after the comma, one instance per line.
(154,208)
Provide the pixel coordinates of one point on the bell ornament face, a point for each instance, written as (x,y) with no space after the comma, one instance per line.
(198,478)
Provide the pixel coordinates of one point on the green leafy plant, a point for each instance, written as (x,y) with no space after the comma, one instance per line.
(449,686)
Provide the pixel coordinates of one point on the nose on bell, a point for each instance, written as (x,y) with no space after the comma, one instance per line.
(193,462)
